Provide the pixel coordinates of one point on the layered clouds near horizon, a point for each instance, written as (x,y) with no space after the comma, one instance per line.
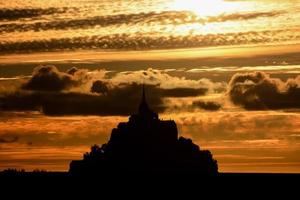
(44,113)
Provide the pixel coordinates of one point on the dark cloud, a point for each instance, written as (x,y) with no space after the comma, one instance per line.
(48,78)
(79,92)
(119,101)
(8,139)
(258,90)
(183,92)
(44,138)
(99,87)
(211,106)
(20,101)
(102,87)
(14,14)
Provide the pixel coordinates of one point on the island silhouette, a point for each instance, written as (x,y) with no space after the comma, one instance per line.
(145,144)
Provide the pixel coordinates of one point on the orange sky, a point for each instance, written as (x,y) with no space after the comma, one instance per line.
(236,65)
(244,147)
(220,52)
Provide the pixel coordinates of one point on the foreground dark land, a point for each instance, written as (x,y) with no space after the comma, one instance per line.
(150,183)
(66,175)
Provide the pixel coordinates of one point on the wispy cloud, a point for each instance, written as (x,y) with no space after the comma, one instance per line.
(161,18)
(147,42)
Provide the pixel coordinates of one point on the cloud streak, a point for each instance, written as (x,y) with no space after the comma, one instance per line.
(240,125)
(161,18)
(8,139)
(207,105)
(139,41)
(15,14)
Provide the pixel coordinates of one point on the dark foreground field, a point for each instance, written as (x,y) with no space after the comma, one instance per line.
(246,184)
(243,177)
(221,175)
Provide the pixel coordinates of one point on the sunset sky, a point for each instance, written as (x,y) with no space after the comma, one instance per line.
(227,71)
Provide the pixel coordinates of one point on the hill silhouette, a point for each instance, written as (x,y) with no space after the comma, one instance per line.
(145,144)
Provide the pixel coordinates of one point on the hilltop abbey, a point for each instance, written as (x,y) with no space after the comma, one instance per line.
(146,144)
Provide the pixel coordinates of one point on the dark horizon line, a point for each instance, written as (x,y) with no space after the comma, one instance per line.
(2,172)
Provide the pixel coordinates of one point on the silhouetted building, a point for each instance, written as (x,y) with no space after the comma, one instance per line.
(146,144)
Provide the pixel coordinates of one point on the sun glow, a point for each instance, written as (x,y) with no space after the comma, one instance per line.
(203,8)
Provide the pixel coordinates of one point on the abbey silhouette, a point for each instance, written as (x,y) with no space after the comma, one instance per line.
(145,144)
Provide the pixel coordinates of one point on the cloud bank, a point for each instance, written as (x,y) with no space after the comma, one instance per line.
(83,92)
(257,90)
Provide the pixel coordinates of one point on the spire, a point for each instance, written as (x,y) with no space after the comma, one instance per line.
(143,108)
